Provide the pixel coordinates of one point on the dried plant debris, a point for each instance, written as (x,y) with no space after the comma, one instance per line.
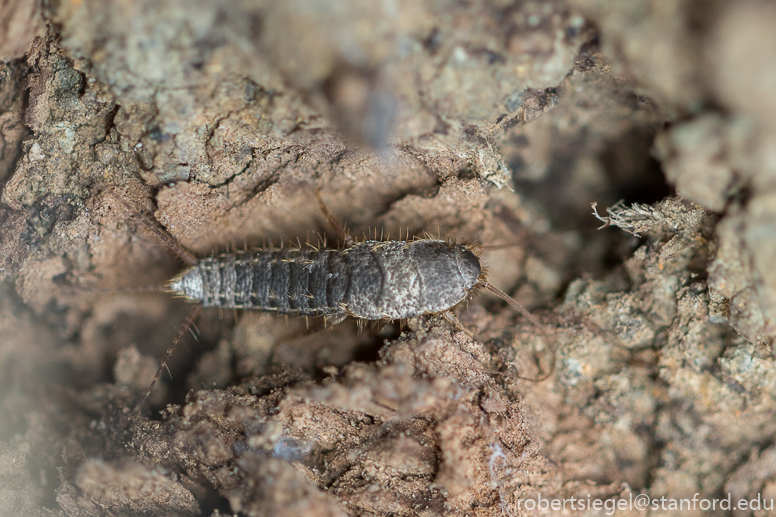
(672,215)
(684,220)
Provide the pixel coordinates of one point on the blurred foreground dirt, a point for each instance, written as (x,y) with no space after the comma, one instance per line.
(493,122)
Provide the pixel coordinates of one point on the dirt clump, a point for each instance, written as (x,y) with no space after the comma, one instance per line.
(490,122)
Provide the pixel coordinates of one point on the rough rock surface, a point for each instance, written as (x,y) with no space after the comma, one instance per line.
(495,122)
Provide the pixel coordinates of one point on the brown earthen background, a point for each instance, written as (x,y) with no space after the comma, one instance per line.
(497,122)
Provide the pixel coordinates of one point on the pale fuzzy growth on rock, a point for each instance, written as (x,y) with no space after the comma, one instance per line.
(679,218)
(671,215)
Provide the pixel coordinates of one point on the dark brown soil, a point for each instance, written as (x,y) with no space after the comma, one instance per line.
(494,122)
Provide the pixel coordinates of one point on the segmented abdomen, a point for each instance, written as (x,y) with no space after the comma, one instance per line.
(305,282)
(371,280)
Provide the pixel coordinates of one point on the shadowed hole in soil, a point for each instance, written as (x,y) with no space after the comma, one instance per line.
(370,352)
(633,173)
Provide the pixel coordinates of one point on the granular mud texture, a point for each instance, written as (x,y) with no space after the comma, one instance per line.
(491,122)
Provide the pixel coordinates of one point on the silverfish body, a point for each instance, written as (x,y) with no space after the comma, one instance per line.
(371,280)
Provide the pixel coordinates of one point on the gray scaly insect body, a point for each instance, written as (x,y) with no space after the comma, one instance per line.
(371,280)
